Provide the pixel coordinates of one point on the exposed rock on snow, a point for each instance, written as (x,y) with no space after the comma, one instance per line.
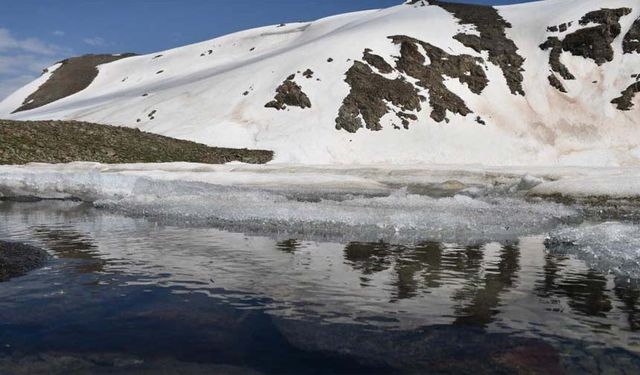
(467,69)
(555,46)
(555,82)
(370,92)
(560,28)
(502,51)
(625,101)
(377,62)
(368,98)
(593,42)
(631,41)
(289,93)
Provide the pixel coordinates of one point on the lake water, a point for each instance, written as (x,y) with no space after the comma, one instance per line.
(135,295)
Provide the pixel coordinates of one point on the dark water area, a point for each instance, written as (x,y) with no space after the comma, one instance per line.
(126,295)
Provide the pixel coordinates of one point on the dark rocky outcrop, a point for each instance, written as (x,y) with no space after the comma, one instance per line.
(17,259)
(595,42)
(377,62)
(308,74)
(589,42)
(74,75)
(631,42)
(556,83)
(370,93)
(405,117)
(555,45)
(625,101)
(560,28)
(289,93)
(502,51)
(467,69)
(68,141)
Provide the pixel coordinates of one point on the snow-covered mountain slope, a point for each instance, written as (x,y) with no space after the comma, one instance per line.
(549,82)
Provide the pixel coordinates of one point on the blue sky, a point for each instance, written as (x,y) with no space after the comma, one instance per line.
(36,33)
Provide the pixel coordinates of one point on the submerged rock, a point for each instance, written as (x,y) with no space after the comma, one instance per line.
(17,259)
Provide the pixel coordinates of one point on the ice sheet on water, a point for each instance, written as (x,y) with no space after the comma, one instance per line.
(609,247)
(399,217)
(355,214)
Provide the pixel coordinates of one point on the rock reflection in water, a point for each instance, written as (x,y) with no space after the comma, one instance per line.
(423,267)
(67,243)
(208,296)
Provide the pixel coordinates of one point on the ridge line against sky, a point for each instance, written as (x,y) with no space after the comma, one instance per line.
(36,33)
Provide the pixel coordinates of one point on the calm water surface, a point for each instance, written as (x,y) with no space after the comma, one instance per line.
(127,295)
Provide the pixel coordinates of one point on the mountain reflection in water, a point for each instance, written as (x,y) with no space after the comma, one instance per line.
(135,293)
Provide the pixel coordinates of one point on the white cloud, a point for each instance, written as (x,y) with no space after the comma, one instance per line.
(58,33)
(17,64)
(95,41)
(9,85)
(22,60)
(33,45)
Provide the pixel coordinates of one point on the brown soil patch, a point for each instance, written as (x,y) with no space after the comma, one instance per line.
(75,75)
